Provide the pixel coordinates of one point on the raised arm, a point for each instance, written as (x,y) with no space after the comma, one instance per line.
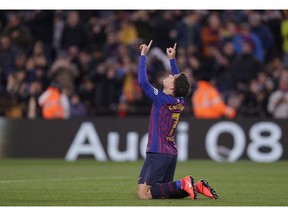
(148,89)
(154,94)
(171,52)
(142,71)
(142,74)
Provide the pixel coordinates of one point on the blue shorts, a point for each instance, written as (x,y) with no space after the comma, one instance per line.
(158,168)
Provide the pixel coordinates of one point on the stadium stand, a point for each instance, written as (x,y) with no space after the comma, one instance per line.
(92,55)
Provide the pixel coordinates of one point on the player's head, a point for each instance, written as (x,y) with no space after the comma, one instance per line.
(178,85)
(181,86)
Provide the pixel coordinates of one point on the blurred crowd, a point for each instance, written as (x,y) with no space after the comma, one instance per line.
(84,63)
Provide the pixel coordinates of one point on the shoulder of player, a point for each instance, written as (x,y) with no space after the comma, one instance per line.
(174,100)
(168,99)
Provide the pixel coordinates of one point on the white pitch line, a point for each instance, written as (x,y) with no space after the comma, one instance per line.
(62,179)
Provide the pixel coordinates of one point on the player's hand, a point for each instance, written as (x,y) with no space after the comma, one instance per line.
(171,52)
(144,48)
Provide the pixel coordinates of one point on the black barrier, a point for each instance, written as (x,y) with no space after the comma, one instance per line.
(109,138)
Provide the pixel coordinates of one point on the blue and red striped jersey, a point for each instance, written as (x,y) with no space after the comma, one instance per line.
(165,113)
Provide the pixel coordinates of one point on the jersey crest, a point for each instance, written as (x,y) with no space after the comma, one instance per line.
(156,91)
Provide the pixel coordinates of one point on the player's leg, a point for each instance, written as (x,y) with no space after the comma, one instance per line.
(153,171)
(174,190)
(169,176)
(170,171)
(154,175)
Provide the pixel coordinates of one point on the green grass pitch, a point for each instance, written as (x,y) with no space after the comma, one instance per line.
(87,182)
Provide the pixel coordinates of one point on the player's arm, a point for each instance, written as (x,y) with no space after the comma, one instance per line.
(171,52)
(148,89)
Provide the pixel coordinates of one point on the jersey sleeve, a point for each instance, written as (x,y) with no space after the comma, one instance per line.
(174,67)
(153,93)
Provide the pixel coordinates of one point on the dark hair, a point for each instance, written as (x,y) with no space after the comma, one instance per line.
(181,86)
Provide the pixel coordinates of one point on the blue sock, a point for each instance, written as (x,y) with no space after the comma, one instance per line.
(178,184)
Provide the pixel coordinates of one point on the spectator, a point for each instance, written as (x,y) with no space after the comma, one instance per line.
(50,102)
(246,36)
(207,102)
(37,65)
(210,34)
(112,44)
(11,97)
(77,108)
(245,67)
(64,73)
(29,96)
(264,33)
(41,24)
(272,19)
(19,33)
(87,95)
(274,68)
(255,98)
(278,100)
(224,81)
(132,91)
(84,64)
(143,24)
(73,33)
(107,87)
(231,32)
(122,109)
(96,32)
(164,29)
(58,26)
(97,56)
(20,61)
(189,31)
(128,33)
(8,54)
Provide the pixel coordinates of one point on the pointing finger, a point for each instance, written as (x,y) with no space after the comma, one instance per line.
(175,46)
(149,45)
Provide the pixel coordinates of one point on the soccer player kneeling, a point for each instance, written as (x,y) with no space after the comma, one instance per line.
(157,173)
